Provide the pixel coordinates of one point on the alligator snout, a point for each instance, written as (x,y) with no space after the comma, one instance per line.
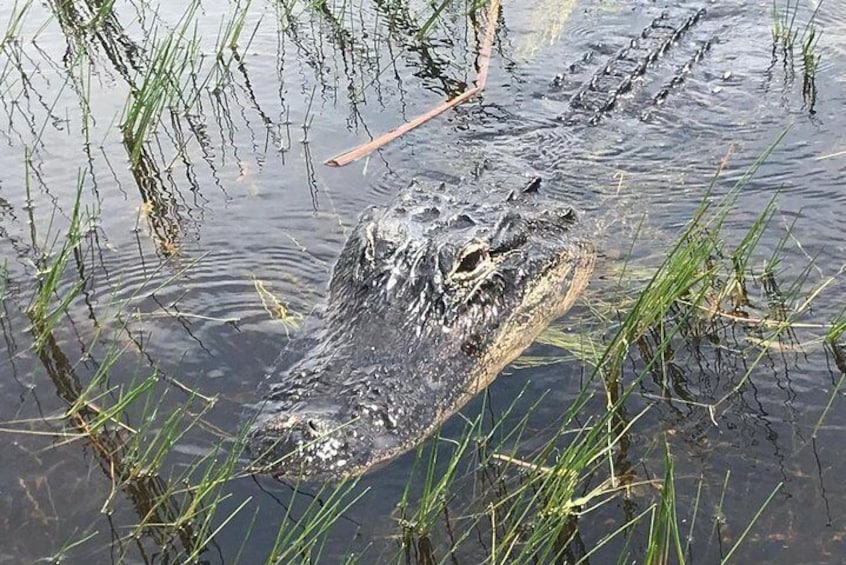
(306,443)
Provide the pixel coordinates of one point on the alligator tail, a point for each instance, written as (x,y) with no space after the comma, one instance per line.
(599,95)
(681,74)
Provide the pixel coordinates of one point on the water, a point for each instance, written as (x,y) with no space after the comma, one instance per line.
(235,192)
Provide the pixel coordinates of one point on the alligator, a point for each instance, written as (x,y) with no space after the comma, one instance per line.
(432,296)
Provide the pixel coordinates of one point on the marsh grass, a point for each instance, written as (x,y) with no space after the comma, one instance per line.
(810,56)
(786,29)
(303,539)
(101,423)
(433,487)
(786,34)
(13,25)
(10,46)
(227,44)
(170,62)
(132,424)
(169,83)
(176,521)
(432,20)
(835,332)
(97,411)
(51,270)
(664,544)
(784,24)
(175,76)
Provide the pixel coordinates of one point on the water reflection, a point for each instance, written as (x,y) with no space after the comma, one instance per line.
(166,534)
(86,25)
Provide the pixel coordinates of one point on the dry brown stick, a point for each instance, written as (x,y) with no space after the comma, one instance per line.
(481,78)
(362,150)
(487,46)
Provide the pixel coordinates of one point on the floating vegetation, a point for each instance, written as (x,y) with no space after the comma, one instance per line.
(275,308)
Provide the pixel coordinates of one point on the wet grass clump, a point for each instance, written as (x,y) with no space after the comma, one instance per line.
(787,32)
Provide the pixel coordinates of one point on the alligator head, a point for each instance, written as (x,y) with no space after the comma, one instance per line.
(430,299)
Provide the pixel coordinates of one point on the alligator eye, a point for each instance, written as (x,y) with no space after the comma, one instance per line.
(312,426)
(472,262)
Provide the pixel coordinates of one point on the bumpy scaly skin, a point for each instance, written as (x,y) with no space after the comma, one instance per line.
(618,77)
(430,299)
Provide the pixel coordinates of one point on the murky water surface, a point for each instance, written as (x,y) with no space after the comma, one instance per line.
(229,199)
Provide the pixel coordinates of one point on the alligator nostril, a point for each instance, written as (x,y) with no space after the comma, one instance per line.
(312,426)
